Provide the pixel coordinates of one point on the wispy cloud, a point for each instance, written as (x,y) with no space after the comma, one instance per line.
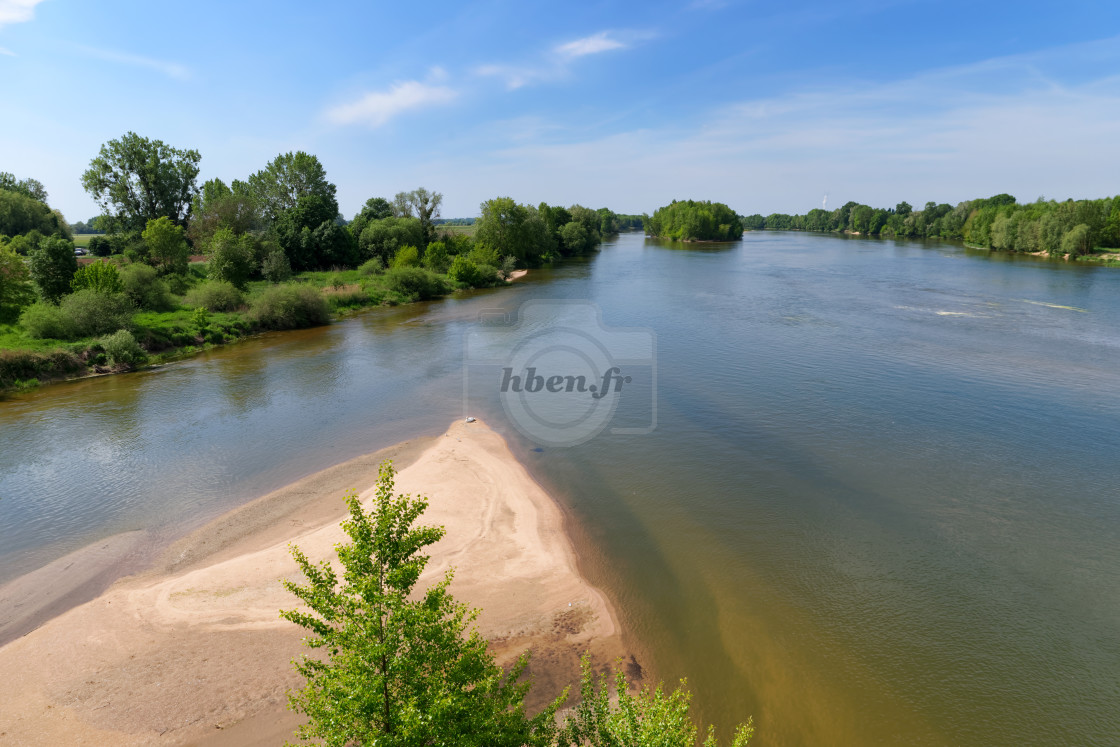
(594,44)
(170,69)
(7,52)
(17,11)
(378,107)
(557,63)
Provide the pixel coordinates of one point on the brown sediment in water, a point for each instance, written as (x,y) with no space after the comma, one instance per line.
(193,651)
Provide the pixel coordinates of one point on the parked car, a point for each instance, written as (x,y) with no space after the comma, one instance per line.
(79,251)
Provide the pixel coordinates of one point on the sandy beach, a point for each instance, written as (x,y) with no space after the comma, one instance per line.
(193,651)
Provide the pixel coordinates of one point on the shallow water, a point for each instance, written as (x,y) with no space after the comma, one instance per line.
(880,506)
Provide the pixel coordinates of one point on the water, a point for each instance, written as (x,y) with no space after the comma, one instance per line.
(881,504)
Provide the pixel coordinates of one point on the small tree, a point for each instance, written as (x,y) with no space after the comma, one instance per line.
(397,669)
(53,264)
(15,286)
(231,257)
(102,277)
(167,246)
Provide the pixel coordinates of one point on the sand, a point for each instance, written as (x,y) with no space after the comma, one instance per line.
(193,651)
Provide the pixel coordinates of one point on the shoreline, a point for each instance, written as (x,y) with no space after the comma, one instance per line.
(192,650)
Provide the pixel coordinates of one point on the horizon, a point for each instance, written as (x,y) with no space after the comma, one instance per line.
(766,108)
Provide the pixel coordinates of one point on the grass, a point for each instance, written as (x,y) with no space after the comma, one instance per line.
(464,230)
(82,239)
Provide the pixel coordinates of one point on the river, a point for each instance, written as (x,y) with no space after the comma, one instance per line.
(881,504)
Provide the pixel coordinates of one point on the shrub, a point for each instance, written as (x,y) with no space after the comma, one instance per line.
(406,256)
(464,271)
(167,245)
(231,258)
(143,285)
(45,321)
(482,254)
(275,266)
(290,307)
(215,295)
(415,283)
(509,264)
(92,313)
(374,266)
(122,349)
(24,365)
(436,257)
(102,277)
(100,246)
(53,264)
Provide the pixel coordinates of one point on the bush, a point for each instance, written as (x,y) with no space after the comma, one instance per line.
(484,255)
(24,365)
(100,246)
(415,283)
(215,295)
(122,349)
(290,307)
(436,257)
(167,245)
(374,266)
(231,258)
(465,272)
(406,256)
(275,266)
(143,285)
(92,313)
(45,321)
(102,277)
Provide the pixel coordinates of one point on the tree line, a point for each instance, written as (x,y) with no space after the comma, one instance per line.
(689,220)
(1073,227)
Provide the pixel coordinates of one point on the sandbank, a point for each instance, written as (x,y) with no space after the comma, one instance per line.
(193,651)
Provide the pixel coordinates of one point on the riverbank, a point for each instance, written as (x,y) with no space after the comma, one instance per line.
(192,651)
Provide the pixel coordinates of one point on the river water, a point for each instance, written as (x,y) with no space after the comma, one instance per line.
(881,504)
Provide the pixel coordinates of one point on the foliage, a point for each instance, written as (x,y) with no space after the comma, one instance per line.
(382,238)
(90,313)
(136,180)
(122,349)
(231,257)
(25,365)
(514,230)
(290,306)
(465,272)
(374,266)
(20,213)
(415,283)
(218,206)
(103,277)
(310,236)
(398,667)
(279,186)
(421,204)
(376,208)
(46,321)
(28,187)
(650,718)
(27,243)
(275,268)
(16,291)
(167,246)
(100,246)
(695,221)
(436,257)
(406,256)
(145,289)
(215,295)
(53,264)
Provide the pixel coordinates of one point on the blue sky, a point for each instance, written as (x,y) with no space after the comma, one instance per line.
(766,106)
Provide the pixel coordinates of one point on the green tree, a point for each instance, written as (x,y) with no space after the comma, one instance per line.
(32,188)
(167,246)
(20,214)
(649,718)
(53,264)
(398,668)
(15,284)
(288,177)
(231,257)
(218,206)
(103,277)
(136,180)
(425,206)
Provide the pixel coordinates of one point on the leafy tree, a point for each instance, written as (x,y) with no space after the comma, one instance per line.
(167,246)
(1076,241)
(20,214)
(425,206)
(406,256)
(436,257)
(231,257)
(275,266)
(103,277)
(99,246)
(398,668)
(15,284)
(288,177)
(376,208)
(650,718)
(53,264)
(574,238)
(136,180)
(145,289)
(705,221)
(382,238)
(218,206)
(514,230)
(29,187)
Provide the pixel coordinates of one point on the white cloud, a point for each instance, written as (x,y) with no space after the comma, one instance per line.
(170,69)
(7,52)
(17,11)
(593,44)
(378,107)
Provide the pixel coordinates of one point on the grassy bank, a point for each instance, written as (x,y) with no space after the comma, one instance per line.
(201,314)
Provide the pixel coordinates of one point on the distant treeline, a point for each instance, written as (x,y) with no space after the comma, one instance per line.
(1073,227)
(689,220)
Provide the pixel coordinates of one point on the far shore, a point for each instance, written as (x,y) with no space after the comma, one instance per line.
(193,651)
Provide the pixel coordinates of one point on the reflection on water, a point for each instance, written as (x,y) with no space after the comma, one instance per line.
(881,505)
